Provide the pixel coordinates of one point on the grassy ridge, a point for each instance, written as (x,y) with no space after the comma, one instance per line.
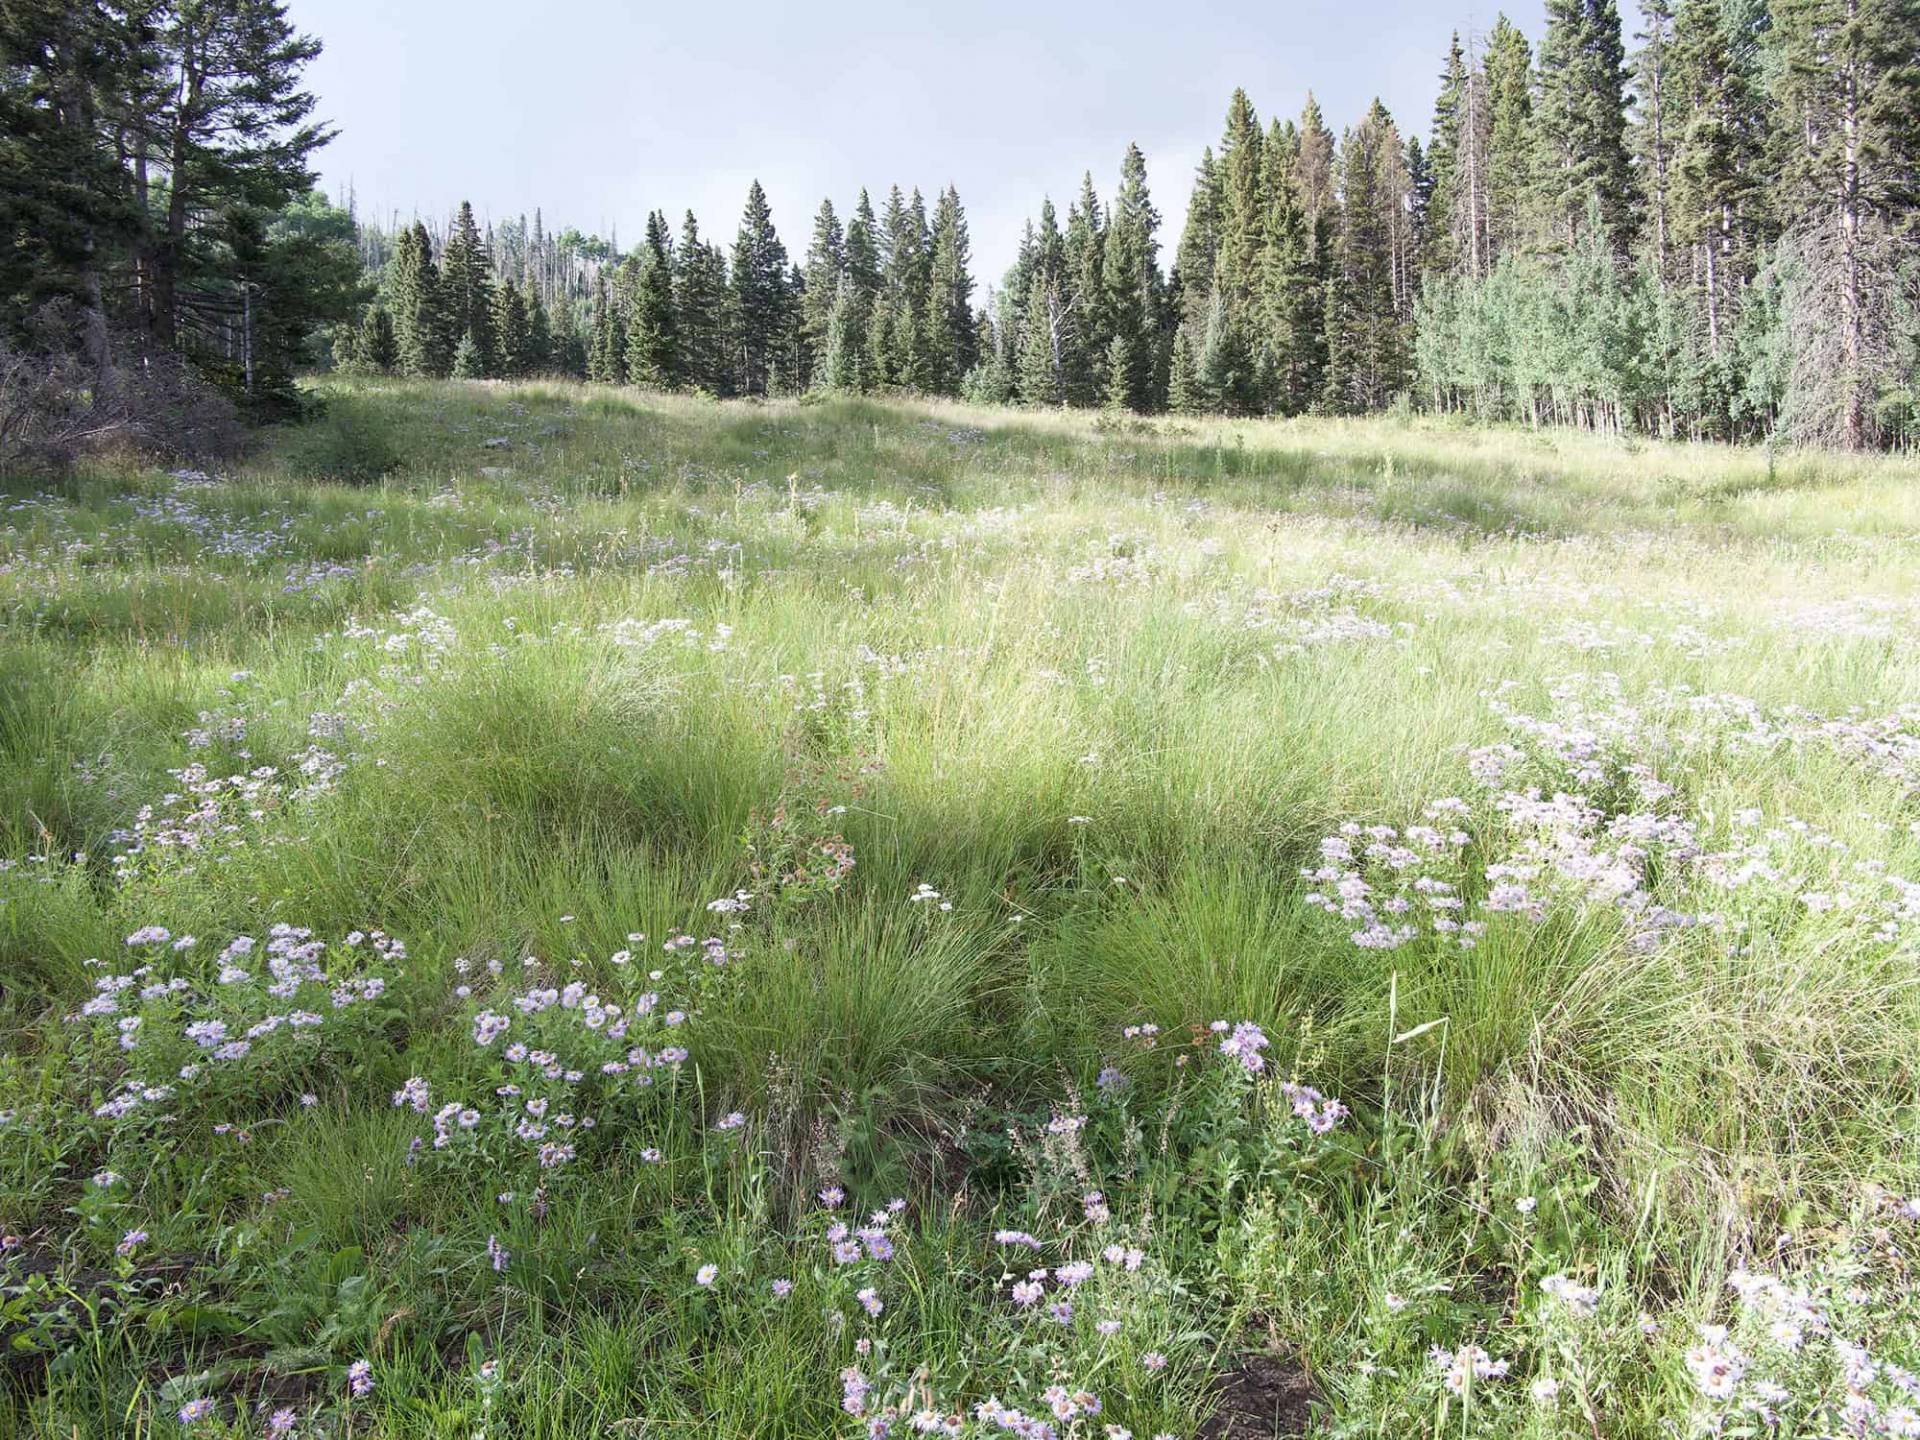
(539,669)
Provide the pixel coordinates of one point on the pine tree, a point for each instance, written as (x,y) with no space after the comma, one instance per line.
(1184,393)
(1847,104)
(952,349)
(653,335)
(1458,225)
(1194,261)
(1243,206)
(374,349)
(760,294)
(540,346)
(841,363)
(1226,379)
(466,359)
(1366,321)
(1582,122)
(1045,336)
(419,319)
(700,310)
(606,345)
(1313,174)
(466,284)
(1512,145)
(826,261)
(1083,247)
(511,337)
(1131,272)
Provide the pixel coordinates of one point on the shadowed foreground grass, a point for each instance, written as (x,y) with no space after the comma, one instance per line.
(476,877)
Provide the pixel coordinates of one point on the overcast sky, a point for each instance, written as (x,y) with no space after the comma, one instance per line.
(599,111)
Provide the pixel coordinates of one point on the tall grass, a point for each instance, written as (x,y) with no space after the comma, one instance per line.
(589,660)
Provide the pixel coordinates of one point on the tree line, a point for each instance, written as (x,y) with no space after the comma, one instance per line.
(1713,231)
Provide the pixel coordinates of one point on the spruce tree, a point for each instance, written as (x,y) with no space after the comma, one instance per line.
(760,294)
(700,307)
(1193,264)
(1367,327)
(842,361)
(826,261)
(1042,373)
(1131,272)
(1313,174)
(1083,247)
(1582,79)
(1512,146)
(374,349)
(540,346)
(606,347)
(1243,205)
(1184,394)
(952,348)
(511,336)
(653,336)
(466,360)
(466,283)
(419,320)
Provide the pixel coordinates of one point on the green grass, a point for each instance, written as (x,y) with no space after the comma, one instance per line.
(520,672)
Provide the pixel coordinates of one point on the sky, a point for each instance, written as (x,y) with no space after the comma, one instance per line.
(598,111)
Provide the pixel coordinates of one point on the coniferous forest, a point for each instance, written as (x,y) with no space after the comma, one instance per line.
(1706,229)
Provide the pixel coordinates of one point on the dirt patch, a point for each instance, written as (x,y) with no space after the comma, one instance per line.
(1264,1398)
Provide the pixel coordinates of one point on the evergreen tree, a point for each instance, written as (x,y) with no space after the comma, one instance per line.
(420,334)
(374,349)
(466,288)
(1583,122)
(540,344)
(1226,378)
(952,349)
(826,262)
(1512,145)
(1243,206)
(653,336)
(1184,393)
(1046,334)
(1193,264)
(466,359)
(760,293)
(700,311)
(1083,247)
(1131,272)
(841,363)
(606,345)
(1368,305)
(1313,174)
(512,338)
(1847,104)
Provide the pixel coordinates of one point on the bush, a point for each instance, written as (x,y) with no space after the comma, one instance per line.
(350,442)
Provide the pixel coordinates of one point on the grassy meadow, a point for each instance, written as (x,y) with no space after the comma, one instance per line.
(536,912)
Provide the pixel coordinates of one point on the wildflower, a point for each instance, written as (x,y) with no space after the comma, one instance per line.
(497,1254)
(1717,1368)
(853,1390)
(282,1421)
(1015,1237)
(1460,1368)
(1581,1299)
(105,1178)
(706,1274)
(1026,1293)
(1244,1044)
(360,1378)
(1107,1327)
(782,1289)
(832,1196)
(1545,1390)
(1526,1204)
(131,1242)
(194,1411)
(1154,1361)
(731,1121)
(1061,1311)
(870,1301)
